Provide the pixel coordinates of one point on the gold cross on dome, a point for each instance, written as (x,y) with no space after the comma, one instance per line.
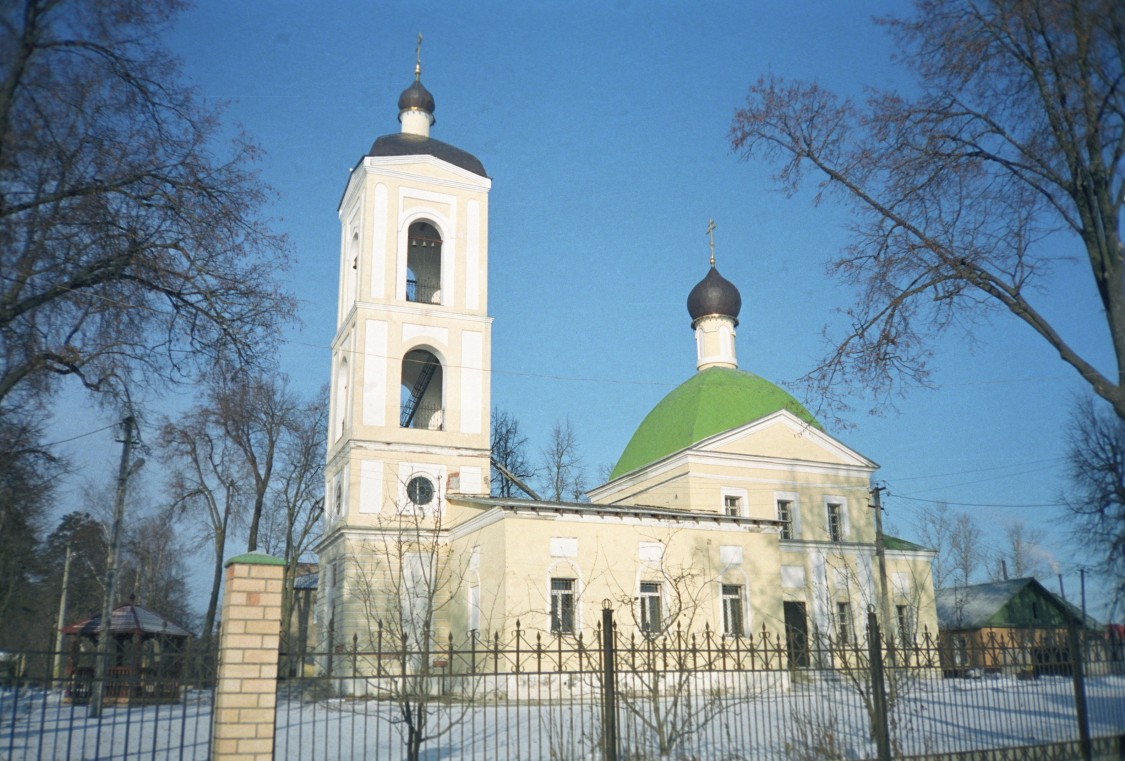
(418,57)
(711,237)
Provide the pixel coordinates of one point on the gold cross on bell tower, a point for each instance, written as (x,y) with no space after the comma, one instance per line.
(418,58)
(711,238)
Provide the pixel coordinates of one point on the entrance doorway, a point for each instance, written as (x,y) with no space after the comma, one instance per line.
(797,635)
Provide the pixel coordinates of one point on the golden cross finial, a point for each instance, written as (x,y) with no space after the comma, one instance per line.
(418,58)
(711,237)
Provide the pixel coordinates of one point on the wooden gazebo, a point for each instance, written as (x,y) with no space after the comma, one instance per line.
(146,657)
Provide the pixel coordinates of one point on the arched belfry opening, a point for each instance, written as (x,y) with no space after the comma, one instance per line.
(423,264)
(421,393)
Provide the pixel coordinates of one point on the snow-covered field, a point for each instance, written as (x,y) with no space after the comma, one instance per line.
(816,716)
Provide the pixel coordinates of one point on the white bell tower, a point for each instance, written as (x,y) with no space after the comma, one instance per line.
(411,360)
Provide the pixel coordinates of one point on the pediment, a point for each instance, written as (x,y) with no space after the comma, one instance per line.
(782,435)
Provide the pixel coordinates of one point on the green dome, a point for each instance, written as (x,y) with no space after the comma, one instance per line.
(712,401)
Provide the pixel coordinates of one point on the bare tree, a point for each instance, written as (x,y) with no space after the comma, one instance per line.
(207,477)
(966,554)
(563,472)
(407,581)
(299,496)
(955,537)
(257,415)
(1096,457)
(1024,554)
(846,651)
(934,528)
(133,246)
(1017,133)
(153,572)
(665,682)
(509,448)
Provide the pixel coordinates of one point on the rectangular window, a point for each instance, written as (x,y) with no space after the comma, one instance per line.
(835,522)
(562,606)
(732,610)
(650,607)
(843,623)
(785,515)
(905,634)
(732,505)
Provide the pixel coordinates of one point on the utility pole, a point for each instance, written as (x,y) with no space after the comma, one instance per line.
(62,612)
(1082,581)
(105,637)
(881,556)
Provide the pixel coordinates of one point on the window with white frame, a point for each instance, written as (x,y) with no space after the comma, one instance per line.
(732,505)
(651,620)
(835,512)
(562,606)
(785,515)
(844,633)
(733,623)
(734,501)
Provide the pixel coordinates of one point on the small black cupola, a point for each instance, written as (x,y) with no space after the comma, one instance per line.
(714,295)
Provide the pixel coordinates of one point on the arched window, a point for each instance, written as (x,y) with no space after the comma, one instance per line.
(423,264)
(421,394)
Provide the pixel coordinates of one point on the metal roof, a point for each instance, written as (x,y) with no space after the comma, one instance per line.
(712,401)
(129,619)
(714,295)
(405,144)
(978,605)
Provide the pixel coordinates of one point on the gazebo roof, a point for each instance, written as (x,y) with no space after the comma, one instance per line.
(129,619)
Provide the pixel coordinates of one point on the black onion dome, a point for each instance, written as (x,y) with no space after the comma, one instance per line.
(714,294)
(416,98)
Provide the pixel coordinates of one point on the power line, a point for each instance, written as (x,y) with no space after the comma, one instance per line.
(80,436)
(984,470)
(973,504)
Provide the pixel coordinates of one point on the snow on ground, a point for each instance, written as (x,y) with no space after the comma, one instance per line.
(815,716)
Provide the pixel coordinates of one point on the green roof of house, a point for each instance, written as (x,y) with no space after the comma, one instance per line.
(712,401)
(895,543)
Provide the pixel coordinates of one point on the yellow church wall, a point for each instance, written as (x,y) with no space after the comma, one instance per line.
(911,583)
(701,485)
(609,558)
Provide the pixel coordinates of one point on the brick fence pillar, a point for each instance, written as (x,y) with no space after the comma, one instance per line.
(250,634)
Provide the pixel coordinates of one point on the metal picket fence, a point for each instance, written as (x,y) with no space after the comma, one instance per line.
(156,704)
(700,695)
(604,695)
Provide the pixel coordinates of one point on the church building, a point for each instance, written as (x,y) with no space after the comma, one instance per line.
(731,509)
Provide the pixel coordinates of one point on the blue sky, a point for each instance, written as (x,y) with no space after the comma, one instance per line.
(604,129)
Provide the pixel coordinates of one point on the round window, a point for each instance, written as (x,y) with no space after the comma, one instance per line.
(420,490)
